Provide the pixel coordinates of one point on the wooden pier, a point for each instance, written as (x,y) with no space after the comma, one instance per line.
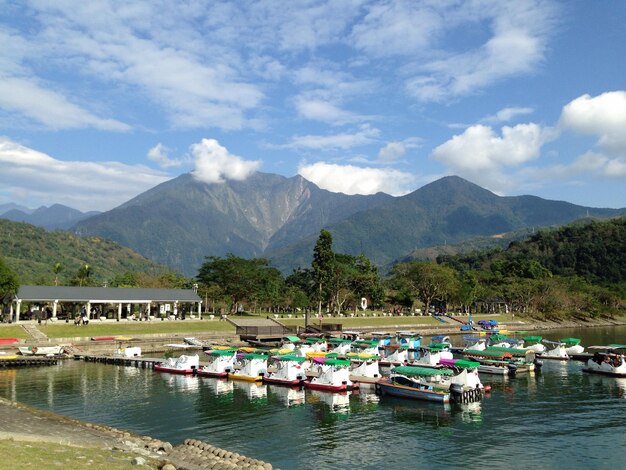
(28,361)
(143,362)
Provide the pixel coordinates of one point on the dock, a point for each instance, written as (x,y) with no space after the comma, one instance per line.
(28,361)
(142,362)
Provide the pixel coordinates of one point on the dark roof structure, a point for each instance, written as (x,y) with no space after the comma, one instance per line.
(104,294)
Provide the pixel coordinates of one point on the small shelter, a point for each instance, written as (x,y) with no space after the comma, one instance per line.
(147,298)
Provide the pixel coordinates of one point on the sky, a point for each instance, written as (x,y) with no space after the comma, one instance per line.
(102,100)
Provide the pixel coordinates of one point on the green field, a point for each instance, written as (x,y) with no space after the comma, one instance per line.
(13,331)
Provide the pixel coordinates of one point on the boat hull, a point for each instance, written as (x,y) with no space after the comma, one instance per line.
(171,370)
(329,387)
(395,390)
(364,379)
(245,378)
(205,373)
(604,372)
(288,383)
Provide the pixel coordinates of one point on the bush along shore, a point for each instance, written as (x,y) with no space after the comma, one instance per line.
(23,427)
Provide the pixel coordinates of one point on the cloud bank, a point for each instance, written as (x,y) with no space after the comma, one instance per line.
(214,164)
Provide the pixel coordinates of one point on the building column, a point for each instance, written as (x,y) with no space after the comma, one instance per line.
(176,308)
(128,311)
(17,311)
(200,310)
(119,311)
(88,310)
(54,308)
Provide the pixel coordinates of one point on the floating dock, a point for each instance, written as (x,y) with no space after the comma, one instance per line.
(28,361)
(143,362)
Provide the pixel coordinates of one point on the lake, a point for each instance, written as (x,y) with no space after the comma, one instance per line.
(556,418)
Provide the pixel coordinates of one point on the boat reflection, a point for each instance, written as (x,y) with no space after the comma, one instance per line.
(182,383)
(404,410)
(470,413)
(219,387)
(367,394)
(252,390)
(288,396)
(337,402)
(611,386)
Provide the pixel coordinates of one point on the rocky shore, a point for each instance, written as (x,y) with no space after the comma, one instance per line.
(21,423)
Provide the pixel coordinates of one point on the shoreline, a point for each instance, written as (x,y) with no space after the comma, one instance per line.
(24,424)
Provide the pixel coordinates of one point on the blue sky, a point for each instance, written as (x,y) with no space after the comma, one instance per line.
(101,100)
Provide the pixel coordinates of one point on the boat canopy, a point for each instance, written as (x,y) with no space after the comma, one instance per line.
(291,358)
(415,371)
(293,339)
(221,352)
(570,341)
(339,340)
(337,362)
(315,340)
(438,346)
(473,339)
(512,351)
(440,339)
(408,333)
(362,357)
(486,353)
(255,356)
(364,343)
(617,346)
(533,339)
(464,364)
(498,337)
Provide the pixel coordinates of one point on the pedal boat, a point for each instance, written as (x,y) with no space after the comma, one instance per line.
(182,365)
(221,362)
(333,375)
(253,367)
(610,362)
(287,370)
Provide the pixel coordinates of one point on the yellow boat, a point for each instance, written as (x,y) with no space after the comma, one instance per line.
(7,357)
(245,378)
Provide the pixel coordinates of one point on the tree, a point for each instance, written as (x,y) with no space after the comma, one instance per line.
(9,282)
(56,269)
(323,264)
(82,276)
(240,279)
(427,280)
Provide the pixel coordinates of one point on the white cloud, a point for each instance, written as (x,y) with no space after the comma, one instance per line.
(588,165)
(322,110)
(350,179)
(603,116)
(480,155)
(508,114)
(364,136)
(159,155)
(49,108)
(214,164)
(33,178)
(520,32)
(393,151)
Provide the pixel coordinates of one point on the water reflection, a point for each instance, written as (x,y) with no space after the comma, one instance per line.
(254,391)
(218,386)
(181,383)
(287,396)
(336,402)
(414,411)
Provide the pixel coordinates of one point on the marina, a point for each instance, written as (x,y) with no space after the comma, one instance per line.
(557,407)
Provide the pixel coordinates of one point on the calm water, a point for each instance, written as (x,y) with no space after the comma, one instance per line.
(558,418)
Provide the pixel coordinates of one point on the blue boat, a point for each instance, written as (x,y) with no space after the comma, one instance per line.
(409,382)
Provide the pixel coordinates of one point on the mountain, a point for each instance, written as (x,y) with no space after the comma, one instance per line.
(31,252)
(450,210)
(55,217)
(183,220)
(10,206)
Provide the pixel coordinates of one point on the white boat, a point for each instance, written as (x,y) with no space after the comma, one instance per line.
(252,368)
(433,354)
(475,343)
(220,362)
(181,365)
(333,375)
(608,360)
(287,370)
(394,354)
(557,353)
(535,345)
(123,351)
(339,346)
(365,346)
(40,350)
(364,368)
(572,346)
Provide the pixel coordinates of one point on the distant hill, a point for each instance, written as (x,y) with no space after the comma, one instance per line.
(11,206)
(32,252)
(182,221)
(55,217)
(450,210)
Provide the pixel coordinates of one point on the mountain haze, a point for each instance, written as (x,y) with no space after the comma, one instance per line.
(55,217)
(181,221)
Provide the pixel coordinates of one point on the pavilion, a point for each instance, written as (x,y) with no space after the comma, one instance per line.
(161,300)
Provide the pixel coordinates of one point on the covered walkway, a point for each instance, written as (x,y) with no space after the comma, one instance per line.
(146,302)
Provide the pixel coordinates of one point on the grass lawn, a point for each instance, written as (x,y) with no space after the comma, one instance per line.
(13,331)
(96,328)
(39,455)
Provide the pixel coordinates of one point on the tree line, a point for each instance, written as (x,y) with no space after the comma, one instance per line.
(578,270)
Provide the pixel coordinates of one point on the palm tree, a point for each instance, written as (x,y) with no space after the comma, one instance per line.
(83,275)
(56,269)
